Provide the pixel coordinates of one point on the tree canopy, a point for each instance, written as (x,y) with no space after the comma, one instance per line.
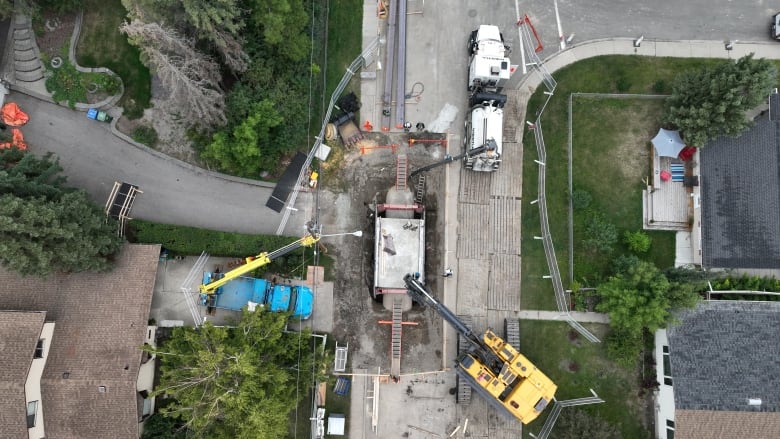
(238,382)
(636,298)
(45,227)
(712,101)
(265,47)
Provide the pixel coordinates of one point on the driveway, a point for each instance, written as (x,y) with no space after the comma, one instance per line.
(174,192)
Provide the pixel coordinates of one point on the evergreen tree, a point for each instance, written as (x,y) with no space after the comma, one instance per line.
(712,101)
(46,227)
(39,237)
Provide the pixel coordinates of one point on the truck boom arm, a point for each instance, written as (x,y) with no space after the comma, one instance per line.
(258,261)
(489,146)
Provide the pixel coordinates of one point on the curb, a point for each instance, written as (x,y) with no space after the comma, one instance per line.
(107,102)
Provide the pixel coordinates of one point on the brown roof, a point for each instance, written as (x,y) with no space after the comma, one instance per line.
(101,321)
(19,334)
(708,424)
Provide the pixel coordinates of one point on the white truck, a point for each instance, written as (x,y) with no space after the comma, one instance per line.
(484,126)
(489,67)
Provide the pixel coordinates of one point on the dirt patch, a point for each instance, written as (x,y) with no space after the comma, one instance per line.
(54,33)
(366,174)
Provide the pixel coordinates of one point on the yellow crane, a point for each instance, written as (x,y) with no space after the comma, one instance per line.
(507,380)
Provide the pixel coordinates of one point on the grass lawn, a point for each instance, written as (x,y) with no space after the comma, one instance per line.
(606,74)
(101,45)
(611,156)
(344,42)
(577,366)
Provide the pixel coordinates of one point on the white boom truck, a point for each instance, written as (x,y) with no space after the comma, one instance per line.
(489,70)
(489,67)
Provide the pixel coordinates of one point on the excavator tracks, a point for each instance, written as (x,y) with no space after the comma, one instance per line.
(464,388)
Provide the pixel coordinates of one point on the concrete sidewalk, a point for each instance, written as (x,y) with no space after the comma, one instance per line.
(582,317)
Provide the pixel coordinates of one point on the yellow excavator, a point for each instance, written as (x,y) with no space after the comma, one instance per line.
(491,366)
(212,283)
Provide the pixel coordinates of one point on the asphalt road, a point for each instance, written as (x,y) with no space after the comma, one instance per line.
(173,191)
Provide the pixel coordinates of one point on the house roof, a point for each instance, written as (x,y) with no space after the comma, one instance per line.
(101,321)
(708,424)
(724,353)
(740,196)
(19,334)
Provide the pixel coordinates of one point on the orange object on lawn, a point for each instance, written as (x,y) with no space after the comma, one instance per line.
(13,115)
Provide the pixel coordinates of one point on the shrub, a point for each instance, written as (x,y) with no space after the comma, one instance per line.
(637,242)
(580,199)
(146,135)
(600,234)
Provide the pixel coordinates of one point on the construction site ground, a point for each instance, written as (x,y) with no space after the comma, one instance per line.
(473,227)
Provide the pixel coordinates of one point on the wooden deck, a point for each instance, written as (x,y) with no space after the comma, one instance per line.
(670,205)
(667,205)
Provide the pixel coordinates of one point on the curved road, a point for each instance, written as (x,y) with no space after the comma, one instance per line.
(174,192)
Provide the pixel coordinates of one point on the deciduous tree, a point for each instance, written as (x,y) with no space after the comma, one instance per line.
(248,148)
(636,298)
(712,101)
(239,382)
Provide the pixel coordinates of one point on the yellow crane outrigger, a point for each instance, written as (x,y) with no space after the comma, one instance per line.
(253,263)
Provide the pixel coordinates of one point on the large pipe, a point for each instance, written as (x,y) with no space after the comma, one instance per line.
(390,58)
(400,75)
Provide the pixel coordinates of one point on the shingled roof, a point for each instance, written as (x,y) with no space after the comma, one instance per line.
(19,334)
(101,321)
(740,197)
(724,353)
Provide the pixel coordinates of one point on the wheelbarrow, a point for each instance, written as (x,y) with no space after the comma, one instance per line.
(98,115)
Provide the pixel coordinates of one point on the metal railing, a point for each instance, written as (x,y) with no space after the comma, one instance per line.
(549,248)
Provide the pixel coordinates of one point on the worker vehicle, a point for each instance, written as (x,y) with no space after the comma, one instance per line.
(210,289)
(507,380)
(484,124)
(253,293)
(489,67)
(774,28)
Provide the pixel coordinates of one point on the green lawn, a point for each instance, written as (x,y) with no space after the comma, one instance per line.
(577,366)
(344,42)
(597,135)
(101,45)
(611,157)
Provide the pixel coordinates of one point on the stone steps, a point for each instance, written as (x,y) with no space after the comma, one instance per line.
(27,64)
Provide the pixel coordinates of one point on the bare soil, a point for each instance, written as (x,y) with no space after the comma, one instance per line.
(367,174)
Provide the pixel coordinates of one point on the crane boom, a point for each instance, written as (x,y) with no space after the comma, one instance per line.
(258,261)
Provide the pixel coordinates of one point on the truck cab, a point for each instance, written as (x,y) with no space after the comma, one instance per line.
(489,67)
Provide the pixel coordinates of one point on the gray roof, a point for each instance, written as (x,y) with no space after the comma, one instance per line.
(724,352)
(740,196)
(19,334)
(101,321)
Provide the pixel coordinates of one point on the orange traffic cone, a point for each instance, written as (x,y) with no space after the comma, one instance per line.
(367,126)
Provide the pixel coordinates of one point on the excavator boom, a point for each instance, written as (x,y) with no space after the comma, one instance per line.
(507,380)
